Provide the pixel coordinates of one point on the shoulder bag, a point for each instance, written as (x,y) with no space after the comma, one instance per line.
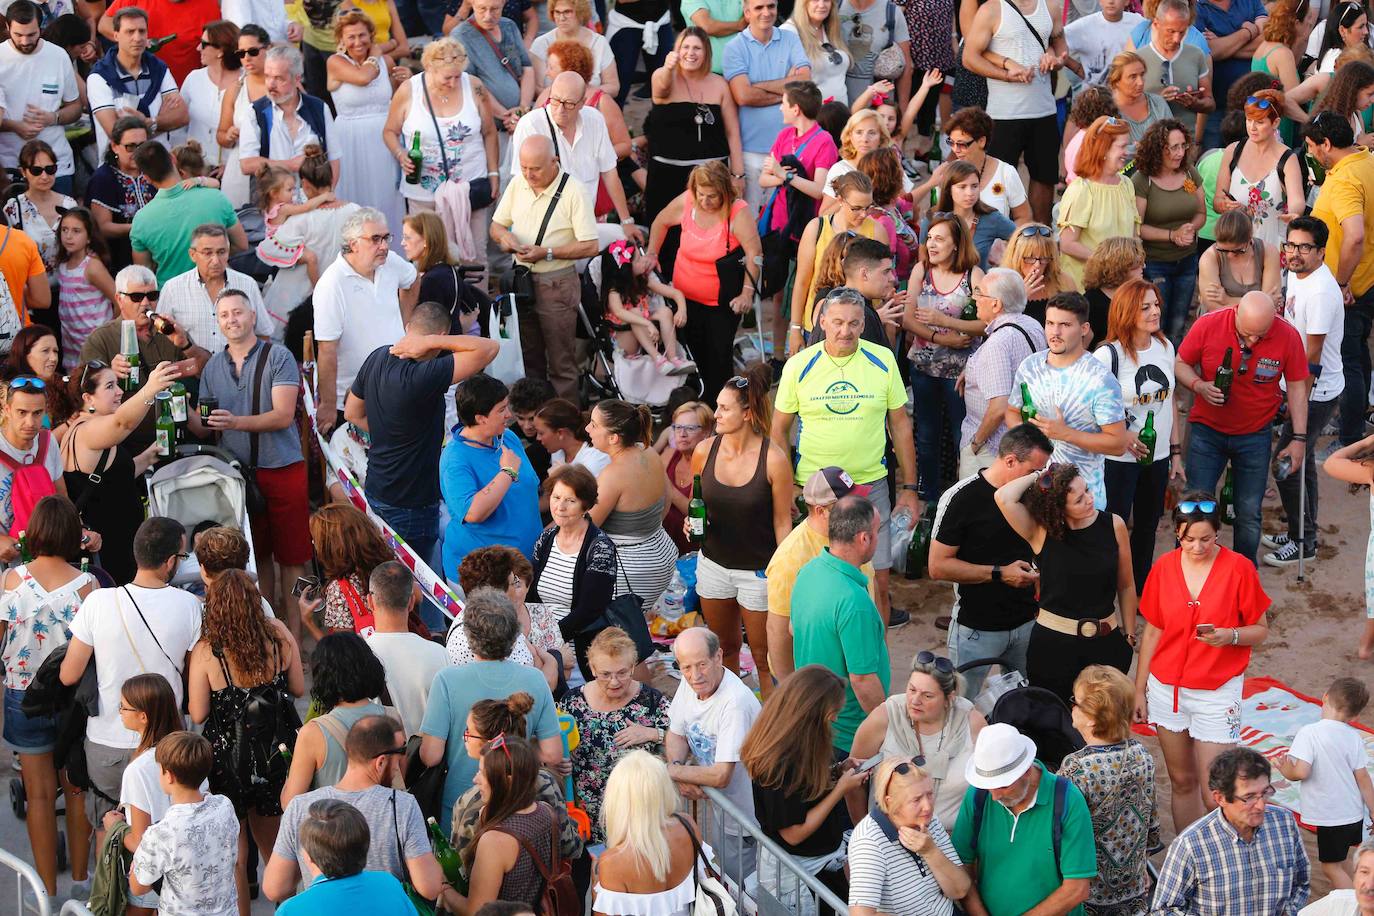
(479,189)
(712,896)
(518,282)
(731,269)
(557,894)
(627,613)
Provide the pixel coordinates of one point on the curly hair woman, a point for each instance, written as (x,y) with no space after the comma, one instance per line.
(1114,261)
(506,570)
(348,547)
(1084,556)
(1169,194)
(1349,92)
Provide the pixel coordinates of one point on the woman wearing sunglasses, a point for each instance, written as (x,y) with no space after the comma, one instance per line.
(118,190)
(1259,174)
(692,423)
(1032,253)
(36,210)
(204,89)
(1238,263)
(236,105)
(1204,611)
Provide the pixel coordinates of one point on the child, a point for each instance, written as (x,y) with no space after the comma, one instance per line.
(194,848)
(640,318)
(882,96)
(1329,759)
(277,192)
(86,289)
(190,163)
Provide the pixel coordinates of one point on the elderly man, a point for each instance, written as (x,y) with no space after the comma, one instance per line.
(190,298)
(581,143)
(1233,426)
(709,717)
(1243,858)
(1183,69)
(1001,302)
(1356,901)
(545,220)
(41,94)
(277,127)
(363,301)
(130,71)
(498,57)
(161,232)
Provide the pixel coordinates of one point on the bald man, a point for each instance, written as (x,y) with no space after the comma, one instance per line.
(1234,428)
(544,219)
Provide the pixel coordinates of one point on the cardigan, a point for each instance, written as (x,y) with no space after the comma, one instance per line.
(593,577)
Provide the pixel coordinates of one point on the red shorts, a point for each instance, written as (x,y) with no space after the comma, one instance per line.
(284,531)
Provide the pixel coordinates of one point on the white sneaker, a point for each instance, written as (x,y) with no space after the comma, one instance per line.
(682,366)
(1275,541)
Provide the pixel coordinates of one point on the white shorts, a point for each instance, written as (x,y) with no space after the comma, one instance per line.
(1206,715)
(747,586)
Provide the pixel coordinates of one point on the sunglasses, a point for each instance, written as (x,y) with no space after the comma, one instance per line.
(1046,479)
(942,664)
(1043,232)
(248,52)
(961,144)
(41,169)
(739,382)
(27,381)
(151,295)
(833,53)
(1349,13)
(95,364)
(1245,354)
(1261,104)
(500,742)
(1231,251)
(1197,506)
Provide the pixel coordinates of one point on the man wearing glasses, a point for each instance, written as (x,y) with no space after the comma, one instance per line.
(189,298)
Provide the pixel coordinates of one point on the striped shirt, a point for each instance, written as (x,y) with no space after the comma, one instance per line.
(81,308)
(885,876)
(556,581)
(186,300)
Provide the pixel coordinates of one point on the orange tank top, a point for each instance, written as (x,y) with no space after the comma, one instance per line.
(695,270)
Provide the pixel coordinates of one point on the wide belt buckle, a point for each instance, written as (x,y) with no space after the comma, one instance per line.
(1089,628)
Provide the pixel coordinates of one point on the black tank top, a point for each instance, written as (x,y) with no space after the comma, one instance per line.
(739,520)
(1078,574)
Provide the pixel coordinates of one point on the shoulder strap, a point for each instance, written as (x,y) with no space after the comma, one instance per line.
(891,19)
(94,478)
(696,849)
(335,729)
(1061,798)
(258,371)
(1033,30)
(553,205)
(434,119)
(223,664)
(396,828)
(546,872)
(157,641)
(553,135)
(1022,331)
(496,49)
(356,608)
(980,801)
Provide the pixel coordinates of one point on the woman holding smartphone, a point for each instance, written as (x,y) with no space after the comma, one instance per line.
(1204,611)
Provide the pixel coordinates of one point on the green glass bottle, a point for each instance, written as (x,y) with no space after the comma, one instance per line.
(24,555)
(157,44)
(285,753)
(128,347)
(180,408)
(449,860)
(1028,411)
(696,514)
(1148,438)
(1316,168)
(918,553)
(417,159)
(1228,498)
(970,311)
(1225,375)
(166,427)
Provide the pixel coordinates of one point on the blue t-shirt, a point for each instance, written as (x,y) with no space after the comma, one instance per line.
(1140,37)
(1223,22)
(452,696)
(745,54)
(465,468)
(376,893)
(1090,397)
(405,419)
(485,64)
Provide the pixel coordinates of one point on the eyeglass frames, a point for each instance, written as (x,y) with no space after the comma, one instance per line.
(248,52)
(1036,229)
(1261,104)
(151,295)
(28,381)
(1250,798)
(738,382)
(1299,247)
(37,170)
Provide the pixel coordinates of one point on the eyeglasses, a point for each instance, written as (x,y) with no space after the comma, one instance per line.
(248,52)
(394,752)
(469,736)
(961,144)
(95,364)
(123,708)
(1043,232)
(383,239)
(1197,507)
(1231,251)
(1177,147)
(151,295)
(182,556)
(1261,104)
(1245,354)
(28,381)
(1300,247)
(130,147)
(568,104)
(1251,797)
(1038,258)
(515,582)
(687,429)
(942,664)
(37,170)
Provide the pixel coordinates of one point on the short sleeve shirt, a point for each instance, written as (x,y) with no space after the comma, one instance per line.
(193,848)
(44,79)
(1255,394)
(715,729)
(52,463)
(103,344)
(745,55)
(817,152)
(19,261)
(802,545)
(585,158)
(234,389)
(1330,795)
(867,35)
(183,18)
(1187,68)
(404,399)
(375,804)
(885,876)
(360,314)
(1315,305)
(969,520)
(102,96)
(1349,191)
(990,370)
(163,227)
(721,11)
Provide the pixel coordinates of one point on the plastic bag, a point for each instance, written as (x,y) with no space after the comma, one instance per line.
(995,686)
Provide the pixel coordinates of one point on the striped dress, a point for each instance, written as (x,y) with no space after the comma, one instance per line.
(81,307)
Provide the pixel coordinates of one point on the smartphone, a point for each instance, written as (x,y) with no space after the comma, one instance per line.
(305,584)
(870,763)
(1206,629)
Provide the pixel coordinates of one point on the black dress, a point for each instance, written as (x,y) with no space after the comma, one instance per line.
(253,784)
(679,132)
(114,508)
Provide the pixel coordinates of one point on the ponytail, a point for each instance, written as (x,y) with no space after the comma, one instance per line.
(634,424)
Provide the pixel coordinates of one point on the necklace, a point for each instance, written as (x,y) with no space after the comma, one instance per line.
(841,366)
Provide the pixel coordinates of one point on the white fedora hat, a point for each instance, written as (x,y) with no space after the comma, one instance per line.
(999,757)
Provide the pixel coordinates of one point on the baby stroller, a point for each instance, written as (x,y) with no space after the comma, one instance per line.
(202,483)
(1036,713)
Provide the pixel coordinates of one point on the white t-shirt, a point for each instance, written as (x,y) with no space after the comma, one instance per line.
(1330,795)
(1337,903)
(828,71)
(123,646)
(1004,190)
(270,14)
(597,44)
(101,95)
(1315,306)
(141,786)
(369,310)
(842,167)
(1147,385)
(52,462)
(45,79)
(1093,41)
(591,458)
(195,847)
(715,729)
(411,662)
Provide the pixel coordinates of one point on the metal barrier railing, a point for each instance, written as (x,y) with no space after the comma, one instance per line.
(75,908)
(764,878)
(26,873)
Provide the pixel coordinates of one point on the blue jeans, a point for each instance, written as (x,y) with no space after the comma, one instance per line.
(1177,281)
(935,401)
(1355,364)
(967,644)
(626,45)
(1248,453)
(420,529)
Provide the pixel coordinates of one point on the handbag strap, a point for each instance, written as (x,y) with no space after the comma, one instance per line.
(258,371)
(434,119)
(174,665)
(356,608)
(548,214)
(94,478)
(496,49)
(1033,30)
(553,135)
(697,852)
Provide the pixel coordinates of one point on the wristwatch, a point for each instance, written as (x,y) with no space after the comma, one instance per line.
(996,573)
(914,487)
(548,253)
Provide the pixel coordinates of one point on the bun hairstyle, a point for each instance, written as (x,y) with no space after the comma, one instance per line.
(502,716)
(315,168)
(190,159)
(270,179)
(633,423)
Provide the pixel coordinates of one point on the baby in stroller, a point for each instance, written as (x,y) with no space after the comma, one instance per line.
(638,311)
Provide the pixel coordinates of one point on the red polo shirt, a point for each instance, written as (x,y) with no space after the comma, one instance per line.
(1255,393)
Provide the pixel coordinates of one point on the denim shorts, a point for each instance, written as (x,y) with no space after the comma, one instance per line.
(27,734)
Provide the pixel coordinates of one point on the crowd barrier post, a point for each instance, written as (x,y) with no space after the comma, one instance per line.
(75,908)
(26,874)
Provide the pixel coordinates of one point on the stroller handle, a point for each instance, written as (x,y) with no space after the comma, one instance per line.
(192,449)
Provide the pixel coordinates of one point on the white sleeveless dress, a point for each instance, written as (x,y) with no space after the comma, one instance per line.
(368,173)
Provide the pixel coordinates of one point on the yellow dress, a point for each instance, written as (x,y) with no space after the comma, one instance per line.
(1097,211)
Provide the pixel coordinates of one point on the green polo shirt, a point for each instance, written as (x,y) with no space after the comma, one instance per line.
(836,624)
(1015,856)
(163,227)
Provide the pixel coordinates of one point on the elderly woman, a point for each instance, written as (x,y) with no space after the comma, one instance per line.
(491,492)
(204,89)
(118,190)
(999,184)
(575,56)
(1032,253)
(901,859)
(1139,109)
(1114,262)
(1116,775)
(1237,264)
(692,422)
(570,21)
(1099,204)
(1194,653)
(614,714)
(1274,197)
(252,44)
(505,569)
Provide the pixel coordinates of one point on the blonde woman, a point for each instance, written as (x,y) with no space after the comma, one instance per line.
(570,20)
(862,134)
(817,24)
(1032,253)
(425,244)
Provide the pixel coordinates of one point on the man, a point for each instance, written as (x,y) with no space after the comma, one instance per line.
(41,94)
(1175,68)
(280,124)
(257,384)
(1358,900)
(1019,55)
(1234,28)
(145,627)
(162,230)
(180,20)
(398,396)
(868,271)
(1077,399)
(190,298)
(362,301)
(527,395)
(1094,40)
(758,62)
(834,620)
(1234,427)
(1345,203)
(823,490)
(722,20)
(988,374)
(129,72)
(1316,309)
(989,563)
(1243,858)
(1011,855)
(376,756)
(849,396)
(498,57)
(708,720)
(545,220)
(410,660)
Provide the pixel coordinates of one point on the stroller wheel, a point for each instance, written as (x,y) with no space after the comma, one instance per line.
(61,850)
(18,800)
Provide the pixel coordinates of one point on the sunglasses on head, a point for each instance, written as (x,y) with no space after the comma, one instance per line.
(41,169)
(151,295)
(942,664)
(1261,104)
(1042,231)
(738,381)
(94,364)
(1349,13)
(1197,507)
(500,742)
(1046,479)
(27,381)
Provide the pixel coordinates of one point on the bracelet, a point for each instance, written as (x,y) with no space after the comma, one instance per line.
(1235,636)
(739,177)
(795,327)
(493,174)
(1300,437)
(1175,450)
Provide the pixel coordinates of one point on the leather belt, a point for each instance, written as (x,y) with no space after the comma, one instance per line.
(1072,626)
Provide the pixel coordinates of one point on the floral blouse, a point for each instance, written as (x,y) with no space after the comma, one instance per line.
(22,214)
(596,754)
(37,621)
(337,616)
(938,360)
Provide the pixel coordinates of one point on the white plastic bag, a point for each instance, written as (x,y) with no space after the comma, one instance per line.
(509,364)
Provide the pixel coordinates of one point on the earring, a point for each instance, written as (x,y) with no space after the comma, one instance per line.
(90,409)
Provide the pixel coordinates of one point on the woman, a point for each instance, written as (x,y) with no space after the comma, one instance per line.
(614,713)
(1274,57)
(570,21)
(959,195)
(484,474)
(562,430)
(571,55)
(1169,197)
(872,27)
(387,25)
(204,89)
(34,352)
(746,481)
(715,221)
(1032,253)
(1091,103)
(1139,109)
(1352,30)
(932,722)
(1116,775)
(425,244)
(901,860)
(944,338)
(1099,204)
(35,210)
(235,107)
(634,26)
(118,190)
(359,81)
(691,423)
(863,133)
(854,193)
(345,679)
(1260,175)
(240,650)
(999,184)
(694,121)
(506,570)
(102,477)
(1352,464)
(347,548)
(1113,262)
(1142,360)
(1237,264)
(817,24)
(1204,611)
(1084,556)
(40,599)
(883,167)
(649,867)
(1349,93)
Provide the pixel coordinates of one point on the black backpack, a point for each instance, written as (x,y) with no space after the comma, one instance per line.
(1061,796)
(266,721)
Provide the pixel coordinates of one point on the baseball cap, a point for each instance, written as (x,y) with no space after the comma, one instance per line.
(830,485)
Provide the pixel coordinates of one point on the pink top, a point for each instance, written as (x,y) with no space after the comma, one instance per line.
(695,270)
(817,152)
(1071,153)
(81,308)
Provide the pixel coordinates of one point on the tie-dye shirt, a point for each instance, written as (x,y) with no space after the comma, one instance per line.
(1090,398)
